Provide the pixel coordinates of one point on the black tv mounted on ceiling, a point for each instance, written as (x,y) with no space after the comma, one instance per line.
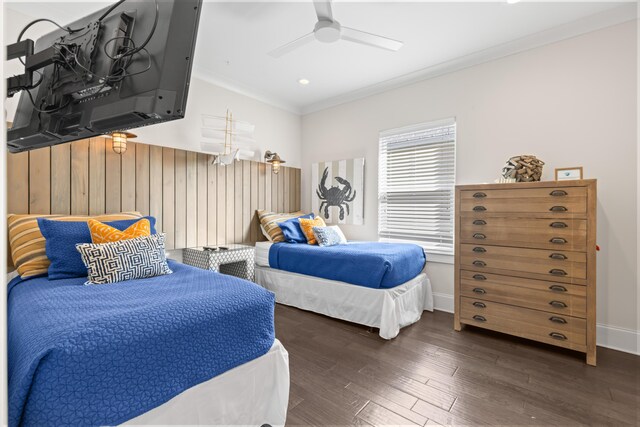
(123,67)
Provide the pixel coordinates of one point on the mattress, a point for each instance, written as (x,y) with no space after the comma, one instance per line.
(103,354)
(370,264)
(386,309)
(262,253)
(255,393)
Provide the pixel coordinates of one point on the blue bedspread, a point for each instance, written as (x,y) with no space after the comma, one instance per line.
(103,354)
(370,264)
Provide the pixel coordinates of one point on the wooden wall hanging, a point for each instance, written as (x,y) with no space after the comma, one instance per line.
(195,203)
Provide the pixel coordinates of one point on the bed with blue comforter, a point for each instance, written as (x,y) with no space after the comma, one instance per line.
(370,264)
(104,354)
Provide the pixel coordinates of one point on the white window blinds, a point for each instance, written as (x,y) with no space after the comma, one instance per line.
(416,185)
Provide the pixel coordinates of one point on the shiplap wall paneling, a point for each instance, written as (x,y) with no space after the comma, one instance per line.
(156,186)
(180,199)
(238,235)
(143,184)
(194,201)
(246,201)
(18,183)
(113,176)
(79,177)
(212,202)
(168,197)
(40,181)
(97,176)
(202,199)
(61,179)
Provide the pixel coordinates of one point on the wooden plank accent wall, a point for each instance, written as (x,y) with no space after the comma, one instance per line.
(195,203)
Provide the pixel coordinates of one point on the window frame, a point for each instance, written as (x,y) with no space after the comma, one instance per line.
(434,254)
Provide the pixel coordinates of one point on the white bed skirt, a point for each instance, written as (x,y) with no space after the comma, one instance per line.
(386,309)
(251,394)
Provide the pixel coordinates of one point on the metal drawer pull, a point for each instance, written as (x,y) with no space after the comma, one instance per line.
(479,277)
(557,336)
(558,225)
(479,195)
(479,318)
(479,236)
(558,240)
(557,193)
(558,209)
(479,250)
(479,222)
(479,291)
(558,288)
(556,319)
(557,272)
(479,263)
(558,304)
(479,208)
(558,256)
(479,304)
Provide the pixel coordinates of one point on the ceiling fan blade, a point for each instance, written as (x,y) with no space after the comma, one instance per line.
(323,10)
(362,37)
(282,50)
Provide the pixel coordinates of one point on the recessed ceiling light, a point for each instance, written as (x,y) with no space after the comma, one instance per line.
(513,1)
(303,82)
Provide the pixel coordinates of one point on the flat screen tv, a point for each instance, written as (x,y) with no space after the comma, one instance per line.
(123,67)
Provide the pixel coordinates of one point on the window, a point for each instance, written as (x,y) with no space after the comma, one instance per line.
(416,185)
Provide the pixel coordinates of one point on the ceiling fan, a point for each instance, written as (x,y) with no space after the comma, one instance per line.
(328,30)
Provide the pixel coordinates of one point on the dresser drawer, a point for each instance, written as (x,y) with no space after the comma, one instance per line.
(567,234)
(547,264)
(565,331)
(560,201)
(559,298)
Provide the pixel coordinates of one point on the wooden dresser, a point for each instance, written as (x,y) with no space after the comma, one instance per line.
(525,261)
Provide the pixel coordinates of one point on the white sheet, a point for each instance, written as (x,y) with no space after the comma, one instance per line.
(262,253)
(253,394)
(387,309)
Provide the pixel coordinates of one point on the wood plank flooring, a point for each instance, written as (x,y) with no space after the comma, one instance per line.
(344,374)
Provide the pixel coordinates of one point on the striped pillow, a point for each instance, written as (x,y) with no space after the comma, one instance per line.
(27,244)
(270,220)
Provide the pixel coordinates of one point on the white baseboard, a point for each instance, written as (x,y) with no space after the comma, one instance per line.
(612,337)
(618,338)
(443,302)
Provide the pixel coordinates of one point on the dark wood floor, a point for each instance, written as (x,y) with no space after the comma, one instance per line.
(342,374)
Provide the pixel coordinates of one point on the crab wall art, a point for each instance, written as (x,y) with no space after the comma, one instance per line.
(337,189)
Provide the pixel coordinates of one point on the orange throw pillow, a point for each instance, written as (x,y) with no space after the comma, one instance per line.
(307,228)
(103,233)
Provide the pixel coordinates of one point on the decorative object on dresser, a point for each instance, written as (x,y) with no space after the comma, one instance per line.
(525,261)
(524,168)
(565,174)
(234,260)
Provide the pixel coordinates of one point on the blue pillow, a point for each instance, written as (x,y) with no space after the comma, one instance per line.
(329,236)
(61,239)
(292,231)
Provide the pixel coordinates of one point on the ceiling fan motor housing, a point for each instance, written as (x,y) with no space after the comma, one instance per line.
(327,31)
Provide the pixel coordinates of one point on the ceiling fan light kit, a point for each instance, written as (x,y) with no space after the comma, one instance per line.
(328,30)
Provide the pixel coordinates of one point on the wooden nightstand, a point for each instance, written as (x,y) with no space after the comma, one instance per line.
(237,260)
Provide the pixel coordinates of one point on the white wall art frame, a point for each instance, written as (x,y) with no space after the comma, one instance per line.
(337,191)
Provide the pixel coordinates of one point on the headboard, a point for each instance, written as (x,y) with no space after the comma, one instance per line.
(195,203)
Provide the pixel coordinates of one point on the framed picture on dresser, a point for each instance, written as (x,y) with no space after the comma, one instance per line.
(567,174)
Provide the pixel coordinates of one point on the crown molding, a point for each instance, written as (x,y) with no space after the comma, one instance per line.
(608,18)
(233,86)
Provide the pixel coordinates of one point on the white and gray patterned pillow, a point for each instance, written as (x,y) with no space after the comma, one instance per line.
(112,262)
(329,236)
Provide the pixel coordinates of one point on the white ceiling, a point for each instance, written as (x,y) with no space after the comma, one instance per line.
(235,37)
